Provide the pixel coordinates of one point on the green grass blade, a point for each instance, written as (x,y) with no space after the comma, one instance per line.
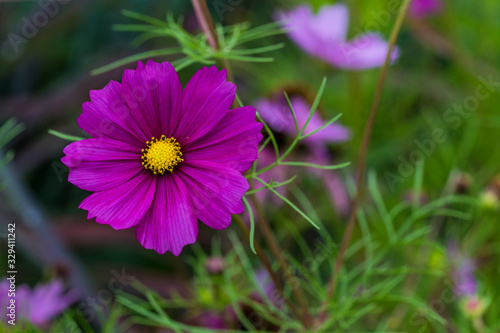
(135,57)
(65,136)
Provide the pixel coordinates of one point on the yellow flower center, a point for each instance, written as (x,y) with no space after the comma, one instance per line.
(161,155)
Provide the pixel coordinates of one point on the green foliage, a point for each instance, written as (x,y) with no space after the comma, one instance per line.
(370,287)
(280,158)
(195,48)
(65,136)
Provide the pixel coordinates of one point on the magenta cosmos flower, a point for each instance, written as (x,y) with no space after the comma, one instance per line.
(38,305)
(419,8)
(162,157)
(324,35)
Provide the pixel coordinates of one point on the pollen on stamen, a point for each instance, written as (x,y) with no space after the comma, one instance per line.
(161,155)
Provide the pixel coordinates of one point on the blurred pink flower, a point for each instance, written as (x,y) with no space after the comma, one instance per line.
(266,285)
(465,282)
(324,35)
(214,265)
(40,304)
(419,8)
(277,115)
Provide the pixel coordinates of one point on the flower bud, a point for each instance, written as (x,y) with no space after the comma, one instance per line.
(473,306)
(461,183)
(214,265)
(489,200)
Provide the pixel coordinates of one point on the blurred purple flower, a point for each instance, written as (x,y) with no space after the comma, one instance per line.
(463,271)
(40,304)
(465,282)
(419,8)
(266,284)
(324,35)
(277,115)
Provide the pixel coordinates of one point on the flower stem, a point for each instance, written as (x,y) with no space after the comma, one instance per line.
(208,28)
(362,159)
(203,17)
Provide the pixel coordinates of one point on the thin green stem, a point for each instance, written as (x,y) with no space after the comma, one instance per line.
(346,239)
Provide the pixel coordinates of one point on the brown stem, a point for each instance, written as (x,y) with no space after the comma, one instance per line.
(278,254)
(230,77)
(206,23)
(346,239)
(203,17)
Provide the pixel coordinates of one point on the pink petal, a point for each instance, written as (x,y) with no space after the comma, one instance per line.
(125,205)
(101,164)
(170,223)
(315,32)
(107,115)
(365,51)
(153,95)
(331,133)
(205,101)
(48,300)
(276,114)
(216,191)
(232,142)
(26,307)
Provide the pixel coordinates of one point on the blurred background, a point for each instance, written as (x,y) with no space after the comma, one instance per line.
(444,59)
